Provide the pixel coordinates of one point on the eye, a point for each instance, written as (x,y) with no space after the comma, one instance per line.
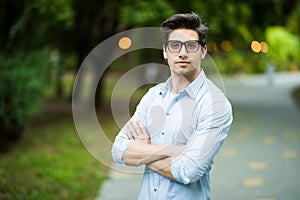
(175,45)
(192,45)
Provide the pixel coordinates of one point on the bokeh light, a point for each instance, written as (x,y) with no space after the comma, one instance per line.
(124,43)
(255,46)
(212,47)
(264,47)
(226,45)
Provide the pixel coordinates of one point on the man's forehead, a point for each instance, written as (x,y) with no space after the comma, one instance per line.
(183,34)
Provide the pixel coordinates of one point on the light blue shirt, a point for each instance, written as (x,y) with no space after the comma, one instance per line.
(200,117)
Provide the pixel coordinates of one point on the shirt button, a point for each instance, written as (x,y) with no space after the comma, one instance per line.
(163,133)
(155,189)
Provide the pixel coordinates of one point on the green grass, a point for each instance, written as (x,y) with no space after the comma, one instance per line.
(50,162)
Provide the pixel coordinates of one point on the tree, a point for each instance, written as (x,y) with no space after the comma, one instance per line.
(23,78)
(24,69)
(95,22)
(76,27)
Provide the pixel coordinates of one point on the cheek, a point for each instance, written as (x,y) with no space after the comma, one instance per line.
(170,62)
(170,58)
(197,59)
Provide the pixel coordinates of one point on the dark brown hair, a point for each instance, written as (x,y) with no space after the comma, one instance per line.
(187,21)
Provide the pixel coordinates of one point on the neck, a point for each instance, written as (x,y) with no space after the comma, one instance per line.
(180,82)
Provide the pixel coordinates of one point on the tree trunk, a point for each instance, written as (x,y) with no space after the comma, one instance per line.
(9,136)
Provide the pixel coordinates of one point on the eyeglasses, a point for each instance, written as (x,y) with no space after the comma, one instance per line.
(192,46)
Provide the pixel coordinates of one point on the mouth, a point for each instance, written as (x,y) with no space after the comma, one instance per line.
(183,63)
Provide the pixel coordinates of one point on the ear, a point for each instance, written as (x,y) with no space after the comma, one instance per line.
(204,51)
(165,52)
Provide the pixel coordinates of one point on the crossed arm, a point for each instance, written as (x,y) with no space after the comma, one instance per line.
(156,156)
(194,162)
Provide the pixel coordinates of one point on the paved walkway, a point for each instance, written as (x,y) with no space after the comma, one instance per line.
(260,159)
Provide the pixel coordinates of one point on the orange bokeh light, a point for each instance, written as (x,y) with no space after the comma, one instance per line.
(255,46)
(124,43)
(264,47)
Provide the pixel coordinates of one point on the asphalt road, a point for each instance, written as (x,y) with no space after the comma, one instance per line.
(260,158)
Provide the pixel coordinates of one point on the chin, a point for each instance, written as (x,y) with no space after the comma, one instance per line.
(186,73)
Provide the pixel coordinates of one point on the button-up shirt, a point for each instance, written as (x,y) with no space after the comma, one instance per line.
(199,117)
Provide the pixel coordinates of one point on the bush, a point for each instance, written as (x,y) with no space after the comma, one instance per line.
(240,61)
(23,79)
(284,47)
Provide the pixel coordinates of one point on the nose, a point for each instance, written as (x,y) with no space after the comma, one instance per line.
(183,52)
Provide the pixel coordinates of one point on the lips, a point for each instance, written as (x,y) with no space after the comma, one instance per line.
(182,62)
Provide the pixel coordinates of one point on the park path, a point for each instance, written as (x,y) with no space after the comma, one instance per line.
(260,158)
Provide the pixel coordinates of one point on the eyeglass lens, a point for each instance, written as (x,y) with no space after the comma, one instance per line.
(190,46)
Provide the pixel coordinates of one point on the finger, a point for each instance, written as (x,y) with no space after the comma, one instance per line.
(138,128)
(142,130)
(129,131)
(133,129)
(129,136)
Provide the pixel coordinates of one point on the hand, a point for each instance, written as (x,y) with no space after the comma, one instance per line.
(137,131)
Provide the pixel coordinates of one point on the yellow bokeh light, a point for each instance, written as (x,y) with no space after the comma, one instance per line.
(255,46)
(124,43)
(212,47)
(226,45)
(264,47)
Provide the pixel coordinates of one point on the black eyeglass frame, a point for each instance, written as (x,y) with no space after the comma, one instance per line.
(183,43)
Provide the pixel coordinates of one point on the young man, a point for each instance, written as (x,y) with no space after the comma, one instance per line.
(178,126)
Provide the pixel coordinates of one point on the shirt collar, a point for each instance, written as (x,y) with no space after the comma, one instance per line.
(192,90)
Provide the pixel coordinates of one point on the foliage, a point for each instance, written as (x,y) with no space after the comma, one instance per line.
(35,24)
(23,81)
(77,26)
(284,47)
(293,21)
(145,12)
(238,62)
(50,163)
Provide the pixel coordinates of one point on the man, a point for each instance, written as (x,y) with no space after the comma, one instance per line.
(178,126)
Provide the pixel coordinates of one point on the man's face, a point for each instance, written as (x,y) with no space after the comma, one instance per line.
(183,62)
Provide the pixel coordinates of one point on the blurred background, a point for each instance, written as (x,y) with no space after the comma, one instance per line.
(254,43)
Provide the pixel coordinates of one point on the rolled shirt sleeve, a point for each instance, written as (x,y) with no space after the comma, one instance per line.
(119,147)
(213,128)
(121,142)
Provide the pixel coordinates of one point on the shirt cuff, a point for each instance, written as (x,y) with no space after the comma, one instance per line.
(119,147)
(178,171)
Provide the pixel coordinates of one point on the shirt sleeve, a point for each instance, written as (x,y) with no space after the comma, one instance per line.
(213,125)
(121,142)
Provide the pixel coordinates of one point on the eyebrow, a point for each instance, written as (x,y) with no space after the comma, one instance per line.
(183,40)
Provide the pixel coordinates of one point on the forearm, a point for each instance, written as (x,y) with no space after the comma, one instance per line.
(163,167)
(139,153)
